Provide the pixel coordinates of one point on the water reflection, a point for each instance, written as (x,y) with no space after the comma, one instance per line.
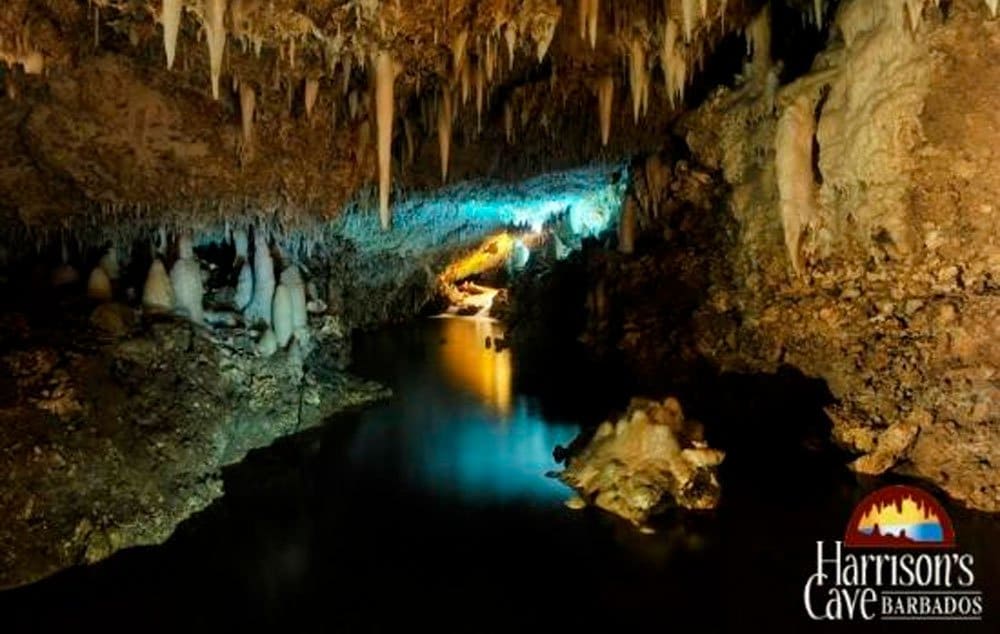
(461,432)
(469,365)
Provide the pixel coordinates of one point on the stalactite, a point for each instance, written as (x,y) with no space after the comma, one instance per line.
(687,15)
(480,81)
(510,37)
(310,94)
(793,146)
(758,36)
(605,99)
(637,74)
(248,103)
(545,34)
(673,63)
(352,105)
(157,292)
(458,46)
(594,7)
(703,8)
(215,26)
(170,17)
(385,76)
(508,122)
(465,84)
(993,5)
(345,84)
(490,57)
(99,285)
(444,124)
(408,134)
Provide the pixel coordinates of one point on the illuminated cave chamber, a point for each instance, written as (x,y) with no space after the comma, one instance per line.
(206,198)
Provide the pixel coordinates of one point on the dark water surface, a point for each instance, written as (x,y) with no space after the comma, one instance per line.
(432,512)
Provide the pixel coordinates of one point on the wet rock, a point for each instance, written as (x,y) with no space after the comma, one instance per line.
(649,458)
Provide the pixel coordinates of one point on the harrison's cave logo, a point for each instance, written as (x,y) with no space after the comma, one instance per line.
(898,561)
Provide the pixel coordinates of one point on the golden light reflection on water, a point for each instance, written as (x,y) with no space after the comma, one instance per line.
(471,366)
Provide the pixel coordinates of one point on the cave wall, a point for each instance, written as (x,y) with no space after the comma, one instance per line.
(865,198)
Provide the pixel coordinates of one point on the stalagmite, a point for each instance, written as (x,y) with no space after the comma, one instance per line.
(292,280)
(268,344)
(259,308)
(385,76)
(248,103)
(793,146)
(64,275)
(605,99)
(157,292)
(109,262)
(444,131)
(510,36)
(244,287)
(626,227)
(185,246)
(99,285)
(311,93)
(215,26)
(170,17)
(281,316)
(241,244)
(185,278)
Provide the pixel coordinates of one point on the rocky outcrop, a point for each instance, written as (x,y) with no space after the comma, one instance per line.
(873,266)
(110,443)
(651,457)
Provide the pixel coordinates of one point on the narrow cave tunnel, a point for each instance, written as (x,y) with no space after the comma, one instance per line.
(481,315)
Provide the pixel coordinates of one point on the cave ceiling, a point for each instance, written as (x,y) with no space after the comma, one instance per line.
(184,110)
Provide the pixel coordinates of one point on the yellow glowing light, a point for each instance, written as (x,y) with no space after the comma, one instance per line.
(471,366)
(492,254)
(890,514)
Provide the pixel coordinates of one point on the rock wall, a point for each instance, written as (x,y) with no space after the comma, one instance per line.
(865,196)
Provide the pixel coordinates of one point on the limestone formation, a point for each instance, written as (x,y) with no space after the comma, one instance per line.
(650,457)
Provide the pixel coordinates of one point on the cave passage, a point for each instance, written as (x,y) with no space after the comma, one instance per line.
(434,510)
